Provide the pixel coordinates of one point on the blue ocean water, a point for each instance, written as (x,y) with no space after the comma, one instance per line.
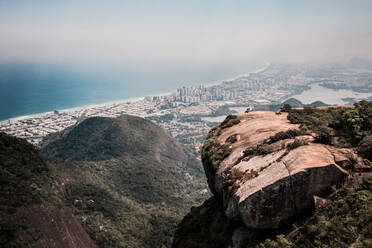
(30,88)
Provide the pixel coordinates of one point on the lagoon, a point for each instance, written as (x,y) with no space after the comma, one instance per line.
(216,119)
(329,96)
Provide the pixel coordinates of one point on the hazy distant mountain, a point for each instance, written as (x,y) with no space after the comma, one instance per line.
(357,62)
(317,104)
(298,104)
(293,102)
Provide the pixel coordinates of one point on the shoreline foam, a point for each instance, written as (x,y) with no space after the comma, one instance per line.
(35,115)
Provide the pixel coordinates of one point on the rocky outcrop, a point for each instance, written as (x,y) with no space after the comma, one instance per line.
(265,183)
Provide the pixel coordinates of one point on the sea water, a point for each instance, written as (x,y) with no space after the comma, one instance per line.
(30,88)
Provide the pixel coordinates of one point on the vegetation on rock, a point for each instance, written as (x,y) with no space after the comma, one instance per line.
(289,134)
(230,121)
(339,126)
(296,143)
(345,222)
(213,152)
(344,219)
(260,149)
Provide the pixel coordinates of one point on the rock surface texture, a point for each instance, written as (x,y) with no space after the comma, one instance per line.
(266,190)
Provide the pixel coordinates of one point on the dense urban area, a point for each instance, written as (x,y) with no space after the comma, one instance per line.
(190,112)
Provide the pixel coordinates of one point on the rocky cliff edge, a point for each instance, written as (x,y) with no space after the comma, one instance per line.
(266,170)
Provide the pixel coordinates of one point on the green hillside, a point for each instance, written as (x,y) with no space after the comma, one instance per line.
(102,138)
(32,213)
(126,179)
(25,176)
(345,222)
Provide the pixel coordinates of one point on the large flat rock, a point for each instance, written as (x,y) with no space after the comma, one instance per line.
(266,190)
(254,128)
(284,185)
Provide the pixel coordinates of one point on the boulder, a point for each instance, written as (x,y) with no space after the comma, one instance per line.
(263,191)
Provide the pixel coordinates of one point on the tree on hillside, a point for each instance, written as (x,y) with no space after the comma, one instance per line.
(365,147)
(286,108)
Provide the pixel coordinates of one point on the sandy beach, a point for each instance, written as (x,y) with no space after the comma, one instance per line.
(106,104)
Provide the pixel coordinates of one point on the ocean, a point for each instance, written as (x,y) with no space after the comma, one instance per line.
(31,88)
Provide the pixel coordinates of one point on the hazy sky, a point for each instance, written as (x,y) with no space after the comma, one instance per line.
(192,31)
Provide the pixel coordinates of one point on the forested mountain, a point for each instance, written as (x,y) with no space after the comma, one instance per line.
(125,180)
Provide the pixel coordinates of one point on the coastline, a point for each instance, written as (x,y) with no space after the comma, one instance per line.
(23,117)
(266,66)
(35,115)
